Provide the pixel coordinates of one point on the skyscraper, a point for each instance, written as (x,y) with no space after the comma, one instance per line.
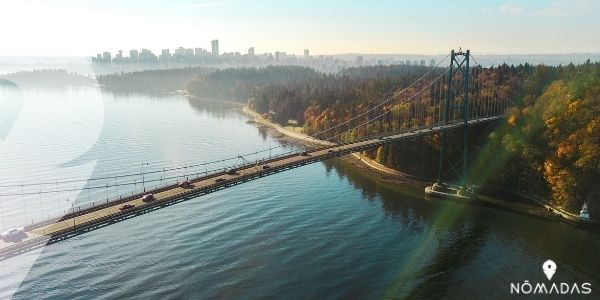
(306,53)
(106,57)
(184,54)
(118,57)
(165,56)
(215,47)
(146,56)
(251,51)
(133,56)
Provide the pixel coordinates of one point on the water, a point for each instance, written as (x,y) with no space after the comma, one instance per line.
(320,231)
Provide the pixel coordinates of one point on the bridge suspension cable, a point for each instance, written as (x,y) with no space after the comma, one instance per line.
(137,173)
(110,177)
(417,110)
(382,103)
(415,106)
(401,102)
(107,185)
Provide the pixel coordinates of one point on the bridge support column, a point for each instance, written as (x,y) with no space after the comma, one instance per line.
(446,113)
(457,101)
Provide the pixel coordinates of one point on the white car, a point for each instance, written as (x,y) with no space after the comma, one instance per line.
(12,232)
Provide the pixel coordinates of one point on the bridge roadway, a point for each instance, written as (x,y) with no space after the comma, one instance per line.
(52,231)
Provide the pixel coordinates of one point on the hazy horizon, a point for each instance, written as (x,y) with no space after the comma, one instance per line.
(81,64)
(499,27)
(318,54)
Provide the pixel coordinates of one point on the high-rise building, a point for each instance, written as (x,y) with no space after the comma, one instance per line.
(251,51)
(199,52)
(432,63)
(134,56)
(183,54)
(422,64)
(146,56)
(106,57)
(215,47)
(306,53)
(165,56)
(118,57)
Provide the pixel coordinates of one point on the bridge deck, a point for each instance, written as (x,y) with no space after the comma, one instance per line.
(96,217)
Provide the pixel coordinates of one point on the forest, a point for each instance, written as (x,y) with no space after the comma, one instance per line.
(47,77)
(154,81)
(548,144)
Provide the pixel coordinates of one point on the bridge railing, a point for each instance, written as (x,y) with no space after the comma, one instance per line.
(411,129)
(165,184)
(87,207)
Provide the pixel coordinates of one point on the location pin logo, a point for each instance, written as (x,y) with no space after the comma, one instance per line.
(549,268)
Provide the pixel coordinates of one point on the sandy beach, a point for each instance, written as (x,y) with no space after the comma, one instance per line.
(357,160)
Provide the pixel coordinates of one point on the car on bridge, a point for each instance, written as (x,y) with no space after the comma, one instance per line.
(126,207)
(304,153)
(266,167)
(12,232)
(148,198)
(186,184)
(231,172)
(220,179)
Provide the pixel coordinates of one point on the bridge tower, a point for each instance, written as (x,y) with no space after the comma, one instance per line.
(456,106)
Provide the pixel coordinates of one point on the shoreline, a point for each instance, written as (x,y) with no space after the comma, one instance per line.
(536,208)
(357,160)
(300,137)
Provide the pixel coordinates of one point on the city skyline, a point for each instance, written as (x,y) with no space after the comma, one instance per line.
(75,28)
(201,56)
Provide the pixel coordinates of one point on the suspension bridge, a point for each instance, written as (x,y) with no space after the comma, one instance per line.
(443,99)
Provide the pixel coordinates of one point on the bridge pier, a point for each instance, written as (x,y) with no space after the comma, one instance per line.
(457,100)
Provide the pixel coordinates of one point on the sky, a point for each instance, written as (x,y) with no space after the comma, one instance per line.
(84,28)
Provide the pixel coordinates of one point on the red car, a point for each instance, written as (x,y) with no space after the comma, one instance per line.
(127,207)
(148,198)
(186,184)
